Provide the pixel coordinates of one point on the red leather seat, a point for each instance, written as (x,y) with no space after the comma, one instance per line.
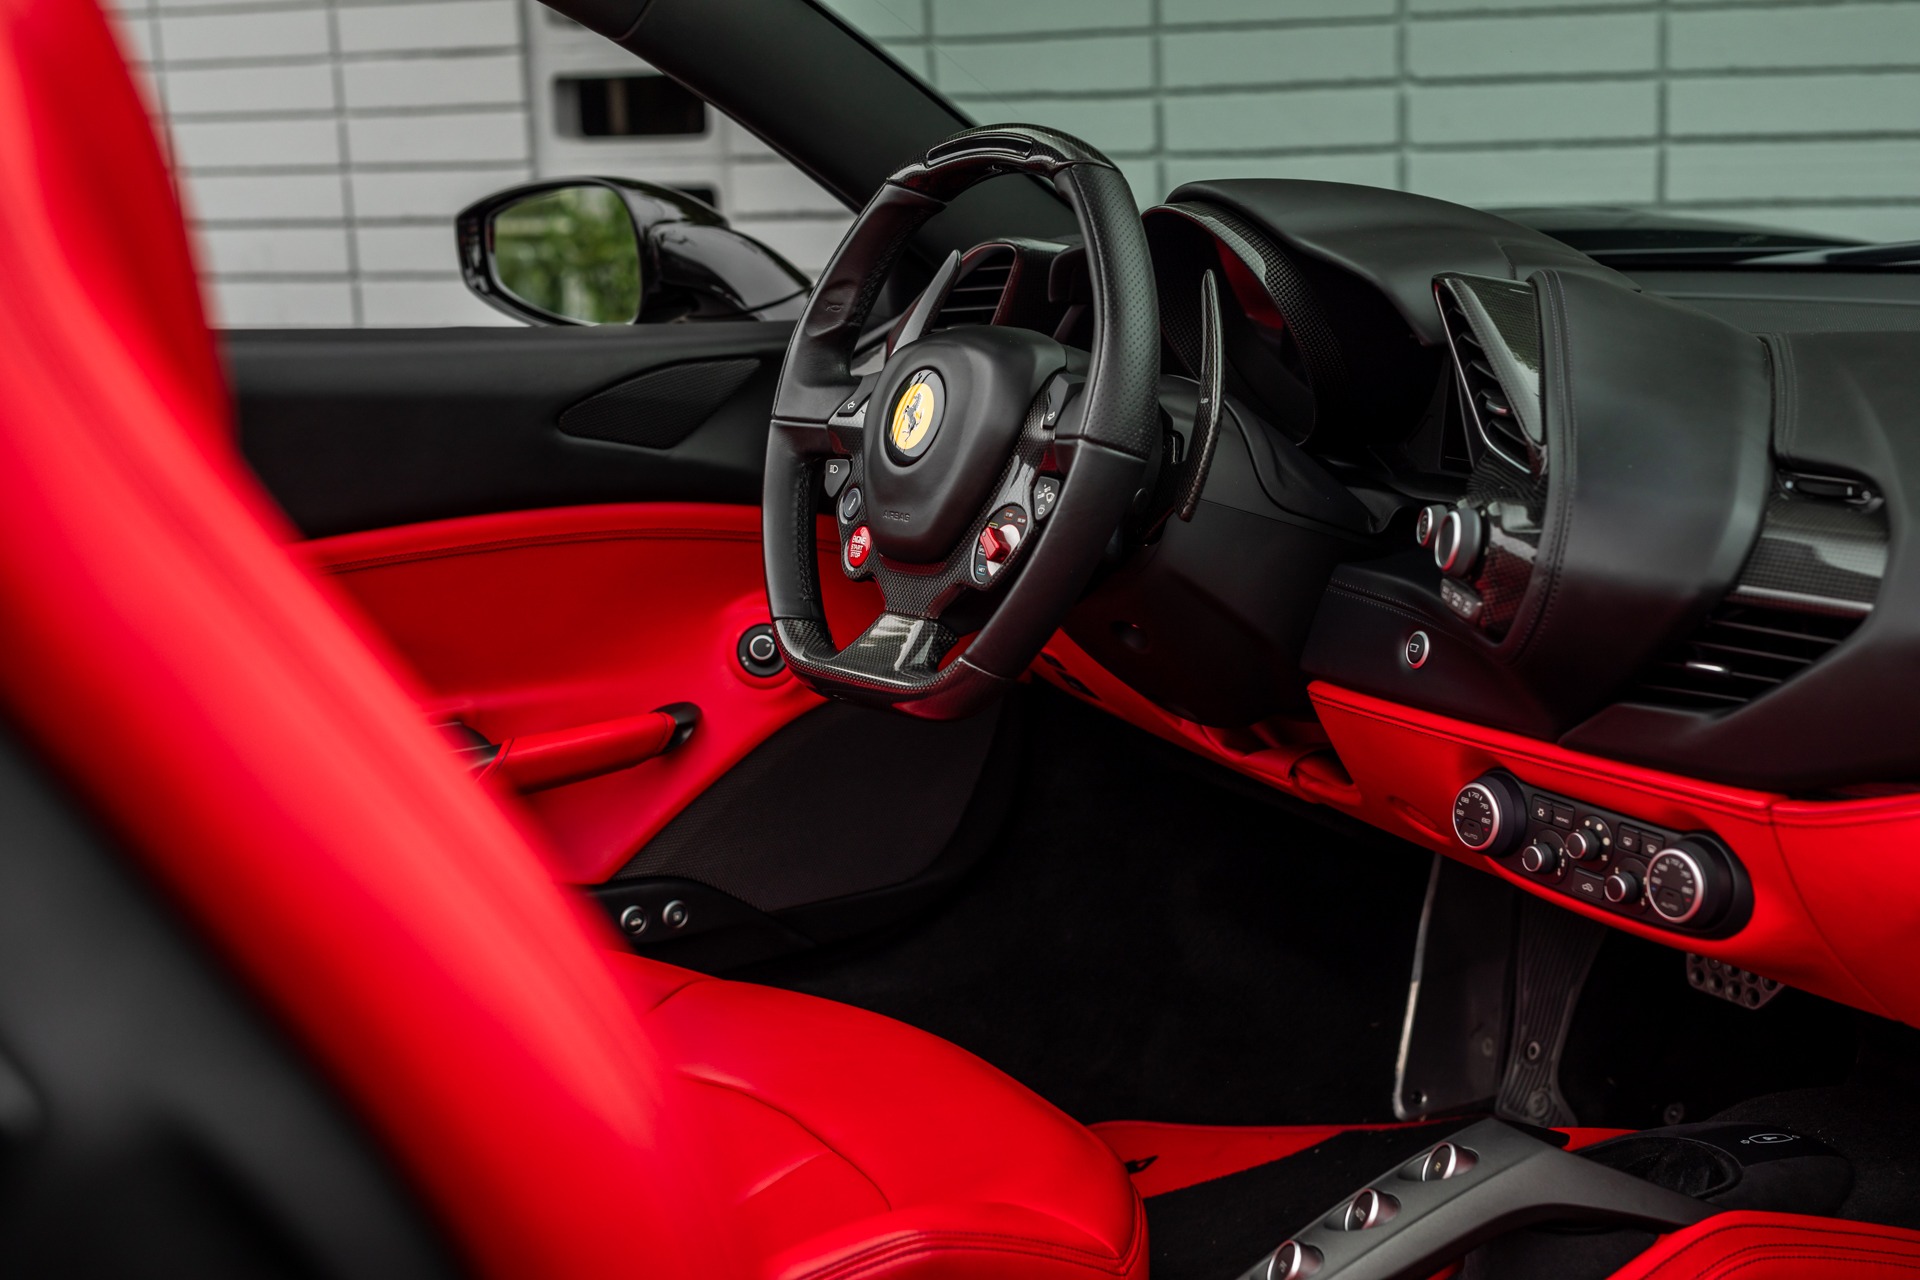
(862,1147)
(565,1110)
(1778,1246)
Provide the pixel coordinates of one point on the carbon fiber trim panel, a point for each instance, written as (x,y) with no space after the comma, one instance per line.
(1816,557)
(1180,317)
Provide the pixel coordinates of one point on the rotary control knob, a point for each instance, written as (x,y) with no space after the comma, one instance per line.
(1688,883)
(1489,815)
(1580,846)
(1427,523)
(1458,541)
(1543,857)
(1622,887)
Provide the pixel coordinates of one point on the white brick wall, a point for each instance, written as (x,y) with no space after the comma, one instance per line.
(324,145)
(1796,113)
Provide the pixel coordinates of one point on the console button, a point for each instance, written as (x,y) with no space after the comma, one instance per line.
(1627,839)
(1563,816)
(852,503)
(1541,810)
(1293,1261)
(1588,885)
(1461,598)
(1367,1210)
(859,546)
(1445,1161)
(1418,647)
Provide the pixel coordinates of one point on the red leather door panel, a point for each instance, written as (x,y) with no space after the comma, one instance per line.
(540,621)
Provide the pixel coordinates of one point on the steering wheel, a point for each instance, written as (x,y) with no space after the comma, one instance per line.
(968,464)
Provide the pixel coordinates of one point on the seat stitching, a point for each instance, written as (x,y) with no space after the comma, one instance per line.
(1712,1237)
(888,1251)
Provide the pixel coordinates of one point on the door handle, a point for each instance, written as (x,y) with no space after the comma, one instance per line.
(539,761)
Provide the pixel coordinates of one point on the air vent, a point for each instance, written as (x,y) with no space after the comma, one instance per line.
(1495,340)
(1739,653)
(977,293)
(1811,580)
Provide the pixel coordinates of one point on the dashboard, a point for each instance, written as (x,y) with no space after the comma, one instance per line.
(1596,580)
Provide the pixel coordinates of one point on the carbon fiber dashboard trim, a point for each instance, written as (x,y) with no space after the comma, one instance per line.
(1816,557)
(1180,317)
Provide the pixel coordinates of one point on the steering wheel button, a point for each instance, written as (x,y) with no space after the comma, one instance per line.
(859,546)
(834,475)
(994,545)
(1046,492)
(852,504)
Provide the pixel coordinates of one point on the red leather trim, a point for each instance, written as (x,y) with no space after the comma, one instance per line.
(536,622)
(1409,764)
(1826,918)
(1853,863)
(869,1148)
(1291,756)
(536,761)
(1778,1246)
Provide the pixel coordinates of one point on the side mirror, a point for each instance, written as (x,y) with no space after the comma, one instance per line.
(615,251)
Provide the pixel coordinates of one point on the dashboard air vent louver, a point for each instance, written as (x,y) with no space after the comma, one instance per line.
(1809,583)
(1495,339)
(1739,653)
(977,292)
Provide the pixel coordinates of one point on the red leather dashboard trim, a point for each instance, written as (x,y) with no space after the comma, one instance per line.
(1857,864)
(1408,765)
(1778,1246)
(1836,902)
(535,622)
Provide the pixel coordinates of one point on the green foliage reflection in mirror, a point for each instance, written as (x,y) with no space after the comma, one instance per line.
(572,252)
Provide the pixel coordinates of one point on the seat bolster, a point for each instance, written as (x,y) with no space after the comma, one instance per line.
(960,1241)
(967,1164)
(1778,1246)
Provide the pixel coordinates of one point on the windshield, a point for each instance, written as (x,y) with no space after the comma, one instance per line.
(1733,128)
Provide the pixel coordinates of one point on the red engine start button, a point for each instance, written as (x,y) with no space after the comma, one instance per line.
(859,546)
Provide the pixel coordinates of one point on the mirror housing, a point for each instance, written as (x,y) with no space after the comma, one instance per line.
(692,265)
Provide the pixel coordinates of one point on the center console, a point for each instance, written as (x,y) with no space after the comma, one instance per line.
(1490,1180)
(1686,882)
(1486,1180)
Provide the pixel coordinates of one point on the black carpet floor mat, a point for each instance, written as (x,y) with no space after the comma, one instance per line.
(1154,939)
(1216,1230)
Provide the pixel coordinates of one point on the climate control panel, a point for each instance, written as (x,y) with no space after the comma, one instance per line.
(1683,880)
